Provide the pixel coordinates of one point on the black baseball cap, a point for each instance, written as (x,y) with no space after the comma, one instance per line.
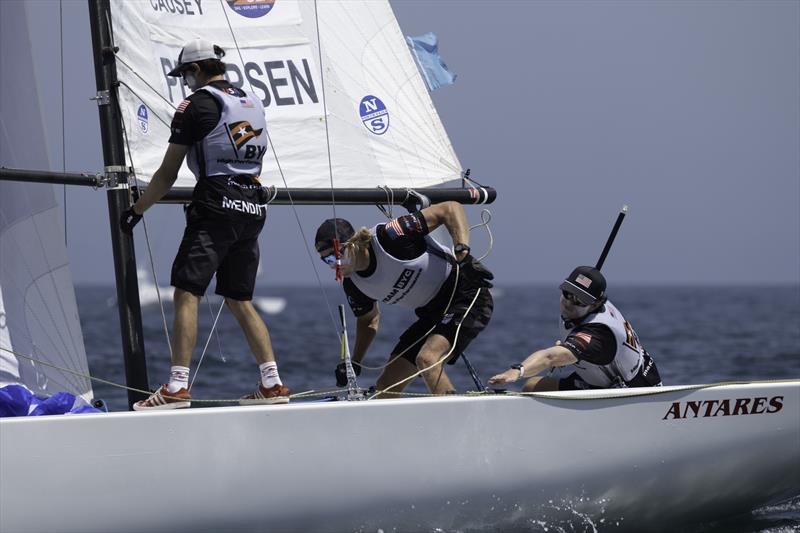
(586,283)
(332,228)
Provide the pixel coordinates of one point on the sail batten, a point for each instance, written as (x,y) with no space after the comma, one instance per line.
(382,128)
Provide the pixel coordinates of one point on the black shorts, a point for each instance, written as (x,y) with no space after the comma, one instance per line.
(574,382)
(444,321)
(646,377)
(227,246)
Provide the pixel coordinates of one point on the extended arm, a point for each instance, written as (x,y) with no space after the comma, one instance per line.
(452,215)
(555,356)
(366,329)
(163,178)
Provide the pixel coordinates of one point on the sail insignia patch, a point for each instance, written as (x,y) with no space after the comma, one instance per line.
(251,8)
(374,114)
(142,119)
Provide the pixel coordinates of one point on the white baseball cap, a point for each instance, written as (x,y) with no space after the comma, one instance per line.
(194,51)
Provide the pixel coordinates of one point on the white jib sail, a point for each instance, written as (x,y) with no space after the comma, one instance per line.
(382,126)
(38,311)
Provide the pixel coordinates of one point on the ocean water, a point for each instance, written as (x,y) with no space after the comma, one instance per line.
(697,334)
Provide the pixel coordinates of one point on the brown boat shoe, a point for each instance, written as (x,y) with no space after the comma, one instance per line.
(262,396)
(163,399)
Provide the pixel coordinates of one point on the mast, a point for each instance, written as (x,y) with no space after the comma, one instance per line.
(130,315)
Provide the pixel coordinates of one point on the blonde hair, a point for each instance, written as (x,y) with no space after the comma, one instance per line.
(359,241)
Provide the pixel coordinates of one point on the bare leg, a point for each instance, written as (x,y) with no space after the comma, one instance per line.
(432,351)
(254,329)
(396,371)
(540,384)
(184,327)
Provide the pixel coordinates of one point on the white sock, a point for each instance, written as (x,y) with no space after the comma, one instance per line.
(178,378)
(269,374)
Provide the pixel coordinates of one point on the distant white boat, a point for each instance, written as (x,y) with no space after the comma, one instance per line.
(270,305)
(149,292)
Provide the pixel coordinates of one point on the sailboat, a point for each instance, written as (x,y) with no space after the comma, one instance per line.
(349,121)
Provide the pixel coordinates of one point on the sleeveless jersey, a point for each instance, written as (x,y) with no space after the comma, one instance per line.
(628,359)
(408,283)
(237,143)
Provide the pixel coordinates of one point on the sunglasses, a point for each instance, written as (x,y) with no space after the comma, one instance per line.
(329,259)
(571,298)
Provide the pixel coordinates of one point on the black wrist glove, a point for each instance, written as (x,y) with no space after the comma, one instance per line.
(128,220)
(474,273)
(341,373)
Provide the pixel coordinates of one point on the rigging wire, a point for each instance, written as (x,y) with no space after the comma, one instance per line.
(63,127)
(486,217)
(146,232)
(441,360)
(219,342)
(134,93)
(325,114)
(208,340)
(271,145)
(554,395)
(387,210)
(143,80)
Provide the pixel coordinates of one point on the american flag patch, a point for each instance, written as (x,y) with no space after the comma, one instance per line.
(245,102)
(583,280)
(580,340)
(395,228)
(182,107)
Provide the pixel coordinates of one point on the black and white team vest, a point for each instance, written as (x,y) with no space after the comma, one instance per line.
(627,361)
(408,283)
(237,144)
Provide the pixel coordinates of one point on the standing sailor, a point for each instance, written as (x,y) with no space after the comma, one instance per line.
(220,129)
(400,263)
(601,345)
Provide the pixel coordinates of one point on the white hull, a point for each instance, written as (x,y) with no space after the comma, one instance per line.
(410,464)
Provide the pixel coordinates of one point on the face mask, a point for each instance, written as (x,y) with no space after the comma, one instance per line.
(190,80)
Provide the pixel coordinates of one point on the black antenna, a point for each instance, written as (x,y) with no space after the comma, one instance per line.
(610,241)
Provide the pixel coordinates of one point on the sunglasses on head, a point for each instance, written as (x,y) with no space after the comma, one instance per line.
(571,298)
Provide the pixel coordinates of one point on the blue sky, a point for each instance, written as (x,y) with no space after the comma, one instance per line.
(689,112)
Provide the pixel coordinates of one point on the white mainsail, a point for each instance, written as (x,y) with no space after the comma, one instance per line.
(382,128)
(38,311)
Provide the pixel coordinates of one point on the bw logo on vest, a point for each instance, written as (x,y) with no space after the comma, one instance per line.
(240,133)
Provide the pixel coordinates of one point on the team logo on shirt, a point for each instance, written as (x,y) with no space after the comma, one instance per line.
(241,132)
(251,8)
(374,114)
(142,119)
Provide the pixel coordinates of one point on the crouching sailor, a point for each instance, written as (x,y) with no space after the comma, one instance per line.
(220,129)
(598,342)
(399,263)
